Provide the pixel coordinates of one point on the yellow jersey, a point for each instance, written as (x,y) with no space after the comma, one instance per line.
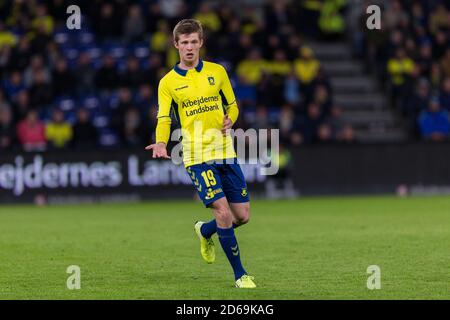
(199,98)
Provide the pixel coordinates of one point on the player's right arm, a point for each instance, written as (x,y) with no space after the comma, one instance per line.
(164,121)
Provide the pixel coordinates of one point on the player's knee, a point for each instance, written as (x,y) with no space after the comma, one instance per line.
(242,221)
(244,216)
(223,216)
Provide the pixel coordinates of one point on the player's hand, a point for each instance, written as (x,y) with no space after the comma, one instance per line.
(227,124)
(159,150)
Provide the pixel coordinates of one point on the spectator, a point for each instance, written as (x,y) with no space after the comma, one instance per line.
(63,79)
(394,15)
(41,91)
(416,102)
(58,132)
(84,75)
(279,65)
(41,40)
(331,21)
(439,19)
(226,15)
(118,115)
(13,84)
(334,120)
(296,138)
(400,68)
(107,77)
(31,133)
(159,39)
(322,99)
(292,89)
(286,122)
(105,24)
(346,135)
(133,128)
(418,15)
(436,75)
(271,90)
(37,64)
(21,105)
(272,45)
(306,66)
(5,57)
(7,38)
(444,97)
(434,122)
(145,99)
(293,43)
(425,60)
(262,118)
(20,56)
(245,45)
(245,92)
(151,75)
(324,134)
(84,133)
(133,76)
(440,44)
(153,15)
(171,8)
(252,67)
(321,80)
(277,15)
(43,20)
(281,184)
(134,25)
(208,18)
(311,122)
(445,63)
(149,123)
(7,130)
(3,102)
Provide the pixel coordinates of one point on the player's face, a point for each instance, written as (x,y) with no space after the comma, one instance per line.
(188,46)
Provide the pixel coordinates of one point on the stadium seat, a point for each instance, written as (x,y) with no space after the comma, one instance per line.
(108,138)
(116,50)
(273,113)
(141,50)
(62,38)
(90,102)
(113,101)
(70,116)
(65,103)
(100,121)
(121,64)
(144,64)
(94,52)
(71,53)
(86,38)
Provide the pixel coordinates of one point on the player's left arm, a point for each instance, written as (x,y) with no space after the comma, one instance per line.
(228,100)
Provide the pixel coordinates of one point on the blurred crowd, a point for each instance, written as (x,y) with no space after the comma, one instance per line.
(97,86)
(411,54)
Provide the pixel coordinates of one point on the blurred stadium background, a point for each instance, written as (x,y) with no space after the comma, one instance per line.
(359,110)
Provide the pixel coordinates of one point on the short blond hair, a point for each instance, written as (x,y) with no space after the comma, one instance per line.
(187,26)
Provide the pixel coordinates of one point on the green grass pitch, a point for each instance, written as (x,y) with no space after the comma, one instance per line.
(310,248)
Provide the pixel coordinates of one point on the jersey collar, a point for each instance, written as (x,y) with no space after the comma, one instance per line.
(183,73)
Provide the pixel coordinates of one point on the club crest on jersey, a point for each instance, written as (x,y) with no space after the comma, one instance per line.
(211,80)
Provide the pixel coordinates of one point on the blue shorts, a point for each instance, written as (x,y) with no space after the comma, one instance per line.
(217,180)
